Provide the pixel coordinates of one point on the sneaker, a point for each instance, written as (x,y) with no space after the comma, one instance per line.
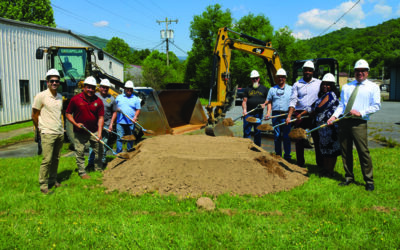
(85,177)
(369,187)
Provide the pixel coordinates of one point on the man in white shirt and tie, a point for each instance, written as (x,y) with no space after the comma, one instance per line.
(365,101)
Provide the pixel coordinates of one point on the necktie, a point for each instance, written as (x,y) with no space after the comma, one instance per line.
(352,99)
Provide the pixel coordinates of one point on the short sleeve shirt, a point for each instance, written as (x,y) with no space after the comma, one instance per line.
(280,97)
(128,105)
(109,107)
(50,112)
(86,112)
(255,97)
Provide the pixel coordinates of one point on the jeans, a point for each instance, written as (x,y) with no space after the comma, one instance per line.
(247,126)
(106,136)
(124,129)
(281,133)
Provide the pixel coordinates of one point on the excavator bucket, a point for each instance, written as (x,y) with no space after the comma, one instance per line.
(172,111)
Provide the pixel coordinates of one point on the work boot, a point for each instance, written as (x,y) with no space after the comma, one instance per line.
(56,184)
(89,168)
(85,177)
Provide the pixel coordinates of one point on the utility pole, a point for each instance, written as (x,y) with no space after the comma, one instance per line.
(168,34)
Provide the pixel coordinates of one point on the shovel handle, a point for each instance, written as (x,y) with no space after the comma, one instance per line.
(326,124)
(97,138)
(132,120)
(276,116)
(293,120)
(258,107)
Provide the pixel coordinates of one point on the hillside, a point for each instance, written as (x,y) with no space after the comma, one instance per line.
(379,45)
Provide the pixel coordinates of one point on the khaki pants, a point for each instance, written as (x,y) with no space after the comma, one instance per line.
(51,144)
(80,140)
(355,130)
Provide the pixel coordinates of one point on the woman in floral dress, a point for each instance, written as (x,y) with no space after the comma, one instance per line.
(323,109)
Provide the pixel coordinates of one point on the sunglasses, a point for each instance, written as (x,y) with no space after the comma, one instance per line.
(54,81)
(361,70)
(256,78)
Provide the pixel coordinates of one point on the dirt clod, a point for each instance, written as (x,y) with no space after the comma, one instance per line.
(194,165)
(251,119)
(297,134)
(205,203)
(265,127)
(228,122)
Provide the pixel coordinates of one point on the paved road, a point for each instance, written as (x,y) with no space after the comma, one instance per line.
(385,123)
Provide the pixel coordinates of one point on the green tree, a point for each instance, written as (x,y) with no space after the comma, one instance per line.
(138,56)
(31,11)
(203,32)
(119,48)
(242,63)
(157,74)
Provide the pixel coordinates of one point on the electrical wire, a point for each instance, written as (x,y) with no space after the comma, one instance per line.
(339,18)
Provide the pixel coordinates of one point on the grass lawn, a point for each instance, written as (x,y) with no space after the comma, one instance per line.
(7,128)
(318,214)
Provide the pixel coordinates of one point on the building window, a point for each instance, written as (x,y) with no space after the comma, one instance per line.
(1,96)
(24,91)
(43,85)
(110,65)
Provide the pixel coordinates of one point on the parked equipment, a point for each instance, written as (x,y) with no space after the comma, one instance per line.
(226,93)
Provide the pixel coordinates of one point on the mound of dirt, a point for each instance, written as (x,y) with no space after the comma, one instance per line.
(193,165)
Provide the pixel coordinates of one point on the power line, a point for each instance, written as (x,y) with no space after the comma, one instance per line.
(178,48)
(167,34)
(339,18)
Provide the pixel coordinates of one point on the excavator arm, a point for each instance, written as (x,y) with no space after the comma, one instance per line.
(226,94)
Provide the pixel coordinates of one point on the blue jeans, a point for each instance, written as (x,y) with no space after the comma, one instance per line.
(247,126)
(106,136)
(124,129)
(281,133)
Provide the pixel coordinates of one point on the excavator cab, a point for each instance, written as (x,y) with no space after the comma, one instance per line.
(322,67)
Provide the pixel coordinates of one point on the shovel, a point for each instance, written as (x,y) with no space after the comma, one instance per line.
(125,138)
(300,133)
(293,120)
(258,107)
(276,116)
(124,156)
(146,131)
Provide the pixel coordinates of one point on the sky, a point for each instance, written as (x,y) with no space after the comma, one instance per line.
(135,21)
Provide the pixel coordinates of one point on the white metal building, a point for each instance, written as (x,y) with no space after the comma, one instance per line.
(21,73)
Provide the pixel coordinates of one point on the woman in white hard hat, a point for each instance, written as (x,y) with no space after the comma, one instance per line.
(323,109)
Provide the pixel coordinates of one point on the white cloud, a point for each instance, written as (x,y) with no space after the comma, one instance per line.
(383,10)
(398,10)
(241,9)
(302,34)
(101,24)
(317,20)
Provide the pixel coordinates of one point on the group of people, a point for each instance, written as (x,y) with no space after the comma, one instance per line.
(89,112)
(310,103)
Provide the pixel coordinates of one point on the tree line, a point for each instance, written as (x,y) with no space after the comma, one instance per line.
(379,45)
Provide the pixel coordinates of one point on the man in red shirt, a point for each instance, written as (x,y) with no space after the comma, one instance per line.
(88,110)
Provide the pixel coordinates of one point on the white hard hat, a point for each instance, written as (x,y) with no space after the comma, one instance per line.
(254,74)
(361,64)
(329,78)
(281,72)
(90,81)
(105,83)
(52,72)
(129,85)
(308,64)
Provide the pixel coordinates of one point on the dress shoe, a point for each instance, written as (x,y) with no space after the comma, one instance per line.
(44,190)
(369,187)
(85,177)
(346,183)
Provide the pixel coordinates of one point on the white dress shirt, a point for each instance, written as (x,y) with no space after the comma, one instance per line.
(304,94)
(367,102)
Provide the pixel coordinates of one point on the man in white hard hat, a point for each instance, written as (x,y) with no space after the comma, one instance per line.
(278,102)
(46,116)
(110,114)
(254,97)
(129,104)
(360,99)
(304,94)
(86,109)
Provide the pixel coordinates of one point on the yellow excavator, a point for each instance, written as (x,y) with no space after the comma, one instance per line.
(226,93)
(170,111)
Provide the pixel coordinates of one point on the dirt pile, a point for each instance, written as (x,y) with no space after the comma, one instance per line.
(193,165)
